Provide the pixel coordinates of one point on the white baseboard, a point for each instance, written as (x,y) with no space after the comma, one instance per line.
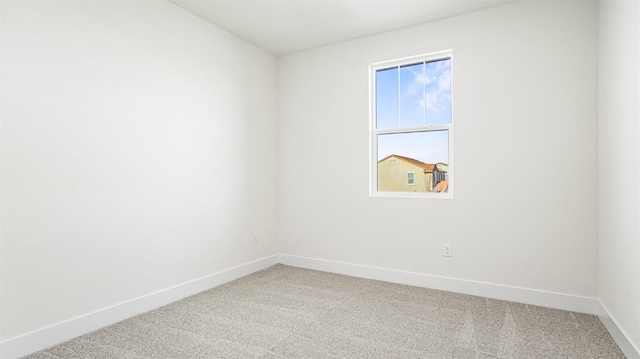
(43,338)
(630,350)
(496,291)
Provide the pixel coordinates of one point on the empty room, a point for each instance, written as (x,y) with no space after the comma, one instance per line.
(319,179)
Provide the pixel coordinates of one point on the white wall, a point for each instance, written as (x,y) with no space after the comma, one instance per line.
(138,152)
(524,211)
(619,158)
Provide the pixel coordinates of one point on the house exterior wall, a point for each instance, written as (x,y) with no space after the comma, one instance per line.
(393,177)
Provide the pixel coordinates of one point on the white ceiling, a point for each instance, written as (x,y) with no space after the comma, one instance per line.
(287,26)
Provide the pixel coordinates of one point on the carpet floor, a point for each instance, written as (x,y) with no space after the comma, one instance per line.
(287,312)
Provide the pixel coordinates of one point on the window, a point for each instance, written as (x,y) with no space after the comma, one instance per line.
(412,127)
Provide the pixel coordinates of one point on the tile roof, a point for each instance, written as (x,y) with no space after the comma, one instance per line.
(442,167)
(425,166)
(441,187)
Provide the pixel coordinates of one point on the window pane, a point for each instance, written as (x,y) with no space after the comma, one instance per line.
(426,154)
(387,98)
(437,97)
(412,95)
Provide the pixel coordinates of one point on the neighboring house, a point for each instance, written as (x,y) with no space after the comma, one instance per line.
(440,173)
(403,174)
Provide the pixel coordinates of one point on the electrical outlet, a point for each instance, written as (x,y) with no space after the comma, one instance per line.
(447,250)
(255,239)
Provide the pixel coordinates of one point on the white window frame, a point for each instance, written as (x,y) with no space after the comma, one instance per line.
(413,178)
(374,132)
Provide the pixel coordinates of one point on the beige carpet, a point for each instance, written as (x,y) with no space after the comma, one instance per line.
(286,312)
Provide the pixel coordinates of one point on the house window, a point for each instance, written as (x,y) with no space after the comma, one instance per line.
(412,127)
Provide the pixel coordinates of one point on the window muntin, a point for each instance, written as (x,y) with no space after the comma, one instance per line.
(412,127)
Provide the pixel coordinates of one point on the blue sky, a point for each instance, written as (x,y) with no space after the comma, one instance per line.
(410,96)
